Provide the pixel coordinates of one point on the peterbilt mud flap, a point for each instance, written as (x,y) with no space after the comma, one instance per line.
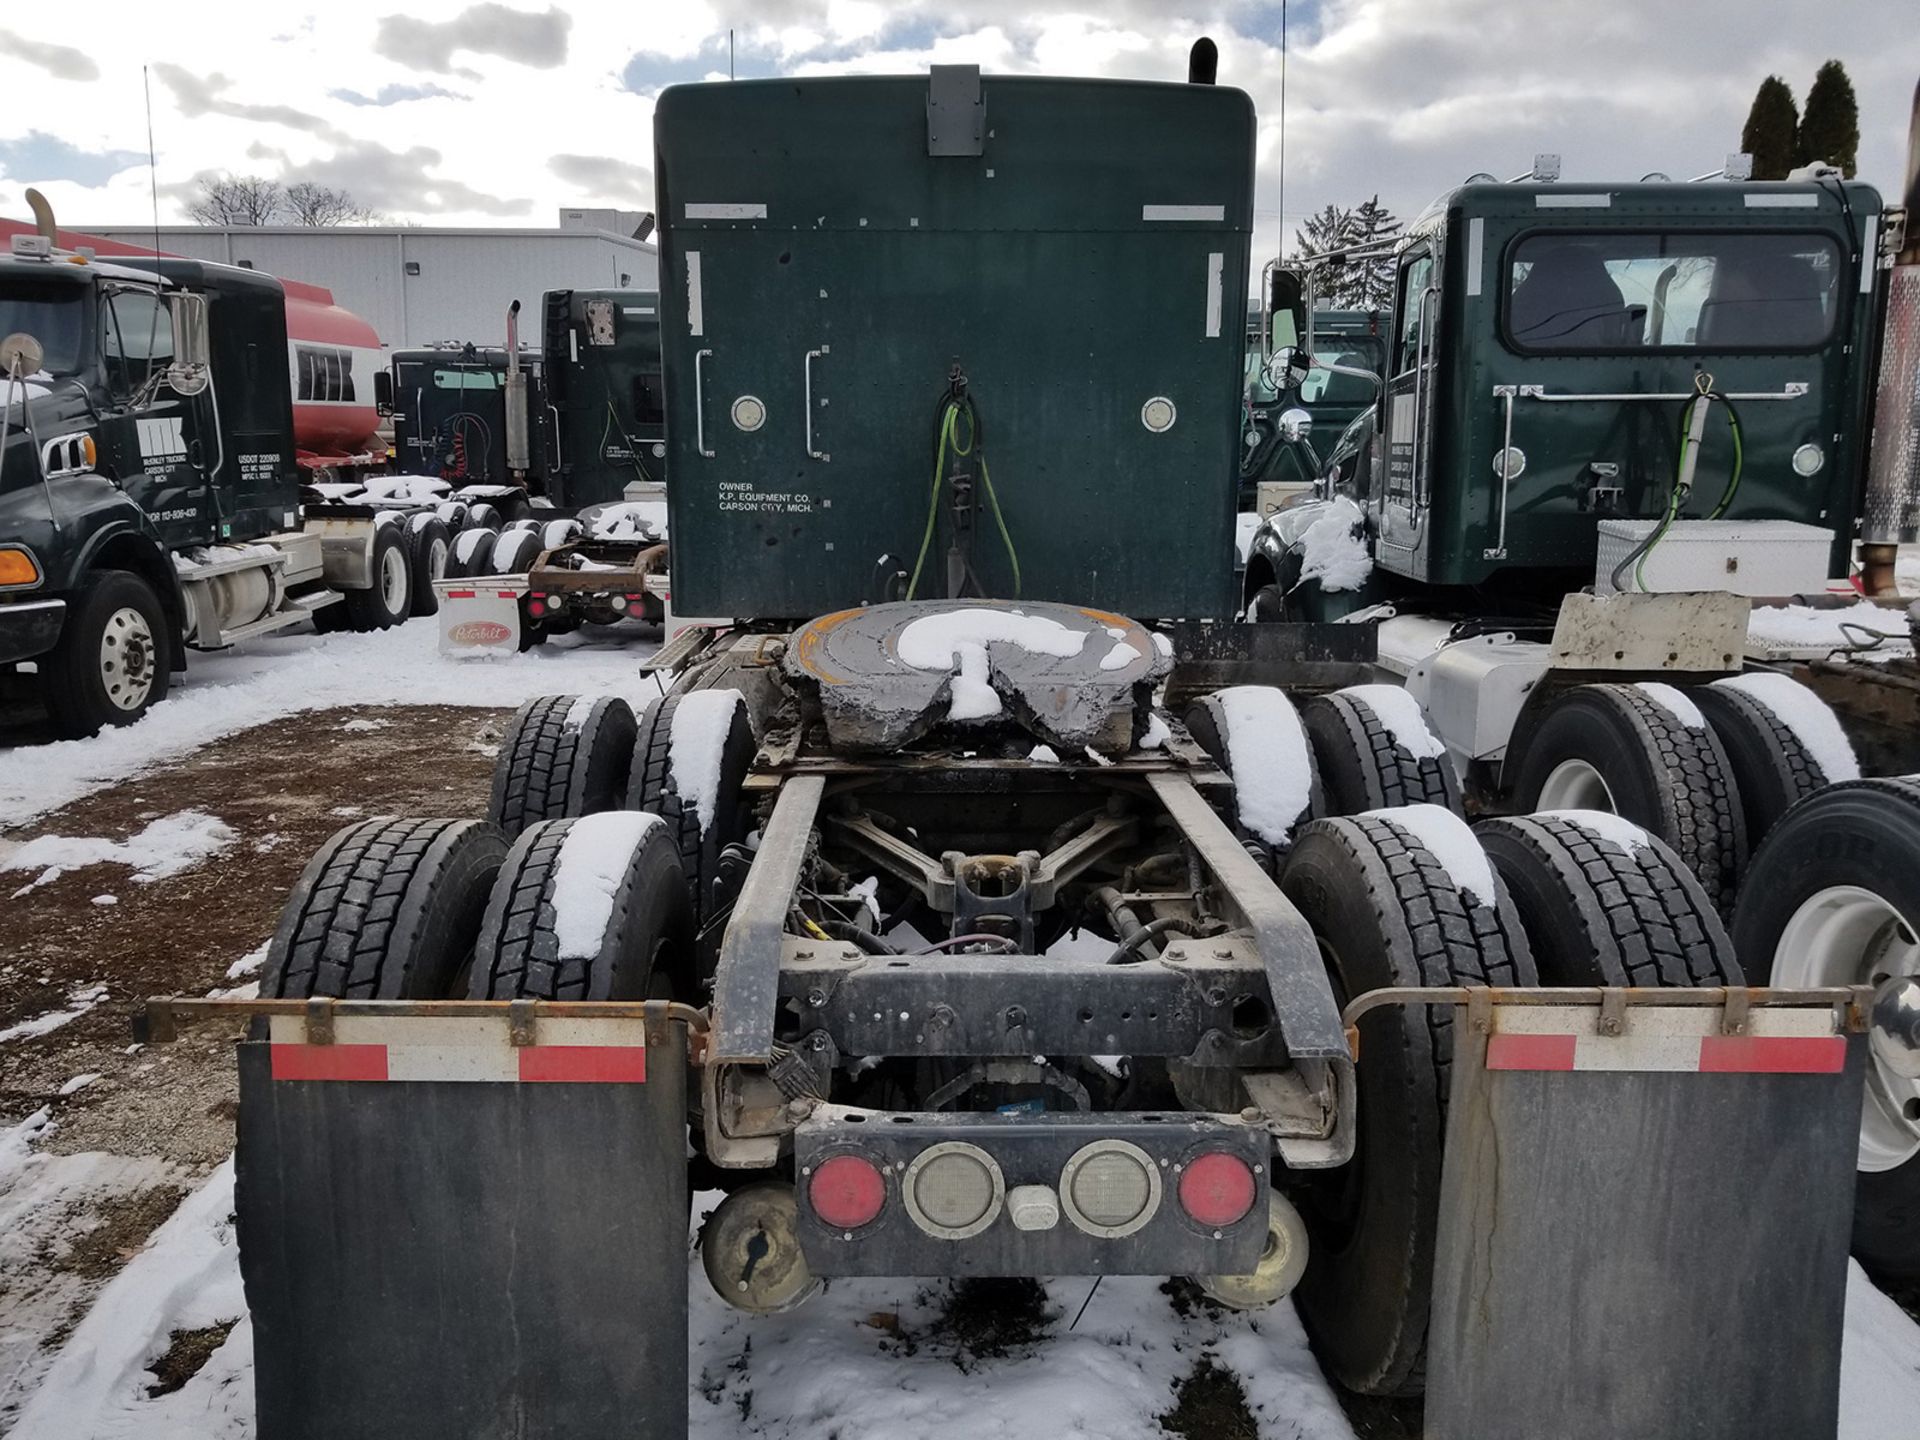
(1644,1222)
(465,1227)
(481,615)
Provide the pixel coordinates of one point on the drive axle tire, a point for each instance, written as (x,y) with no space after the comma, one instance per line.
(482,516)
(385,601)
(1605,903)
(114,659)
(1374,751)
(472,550)
(1387,911)
(1755,717)
(1833,898)
(432,549)
(514,552)
(562,756)
(709,721)
(386,910)
(1627,749)
(593,908)
(1254,733)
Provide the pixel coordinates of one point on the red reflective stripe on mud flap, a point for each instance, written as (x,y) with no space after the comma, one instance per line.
(329,1062)
(1773,1054)
(584,1064)
(462,594)
(1530,1052)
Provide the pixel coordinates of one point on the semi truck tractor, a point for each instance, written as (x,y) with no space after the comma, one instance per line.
(162,424)
(952,917)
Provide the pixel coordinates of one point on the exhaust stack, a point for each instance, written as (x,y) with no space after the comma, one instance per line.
(1892,511)
(43,217)
(516,399)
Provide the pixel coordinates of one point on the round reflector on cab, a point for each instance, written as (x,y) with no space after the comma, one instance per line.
(1110,1188)
(847,1191)
(953,1190)
(1216,1189)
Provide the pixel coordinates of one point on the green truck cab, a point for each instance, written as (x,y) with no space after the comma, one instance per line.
(600,356)
(1543,343)
(1354,340)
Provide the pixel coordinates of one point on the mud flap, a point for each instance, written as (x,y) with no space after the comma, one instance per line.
(1644,1233)
(444,1258)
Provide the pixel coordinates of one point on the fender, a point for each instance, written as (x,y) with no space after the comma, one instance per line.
(117,535)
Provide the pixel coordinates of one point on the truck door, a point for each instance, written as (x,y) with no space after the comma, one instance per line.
(160,441)
(1409,410)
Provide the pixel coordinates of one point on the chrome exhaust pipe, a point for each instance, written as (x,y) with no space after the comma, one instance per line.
(1891,514)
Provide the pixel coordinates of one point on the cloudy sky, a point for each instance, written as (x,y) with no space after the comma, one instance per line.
(447,112)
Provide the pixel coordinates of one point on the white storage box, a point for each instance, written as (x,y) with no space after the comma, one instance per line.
(480,614)
(1740,557)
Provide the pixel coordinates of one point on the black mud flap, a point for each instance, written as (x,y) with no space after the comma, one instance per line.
(1299,655)
(1644,1235)
(433,1258)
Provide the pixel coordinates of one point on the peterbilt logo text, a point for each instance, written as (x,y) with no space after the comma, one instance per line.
(479,632)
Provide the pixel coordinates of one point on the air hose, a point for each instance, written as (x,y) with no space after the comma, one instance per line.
(1693,424)
(947,443)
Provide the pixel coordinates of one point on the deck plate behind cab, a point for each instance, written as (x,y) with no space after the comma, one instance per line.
(888,674)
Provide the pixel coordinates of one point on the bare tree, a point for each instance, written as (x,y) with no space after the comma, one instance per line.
(237,200)
(311,204)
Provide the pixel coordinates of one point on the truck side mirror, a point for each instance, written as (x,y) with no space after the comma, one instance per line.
(383,391)
(1286,310)
(192,367)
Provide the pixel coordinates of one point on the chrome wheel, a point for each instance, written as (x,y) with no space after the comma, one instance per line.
(1575,785)
(127,659)
(1845,935)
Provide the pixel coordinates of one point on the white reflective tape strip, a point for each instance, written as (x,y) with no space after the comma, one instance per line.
(725,211)
(1684,1042)
(1216,213)
(1799,201)
(1587,200)
(1661,1020)
(1869,240)
(1216,263)
(573,346)
(1476,242)
(696,312)
(460,1049)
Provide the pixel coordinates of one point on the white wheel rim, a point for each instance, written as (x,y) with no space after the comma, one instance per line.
(437,560)
(393,580)
(127,659)
(1575,785)
(1845,935)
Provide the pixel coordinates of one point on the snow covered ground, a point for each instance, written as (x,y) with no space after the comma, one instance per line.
(276,675)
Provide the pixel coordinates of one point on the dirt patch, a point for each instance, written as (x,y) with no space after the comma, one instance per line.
(122,1225)
(989,1319)
(1209,1404)
(187,1352)
(283,788)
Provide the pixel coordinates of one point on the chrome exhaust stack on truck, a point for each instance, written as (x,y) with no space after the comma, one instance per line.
(1892,513)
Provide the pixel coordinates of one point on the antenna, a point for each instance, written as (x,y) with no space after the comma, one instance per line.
(1280,246)
(729,52)
(153,191)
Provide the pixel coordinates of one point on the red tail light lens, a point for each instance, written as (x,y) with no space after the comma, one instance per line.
(1217,1189)
(847,1192)
(536,607)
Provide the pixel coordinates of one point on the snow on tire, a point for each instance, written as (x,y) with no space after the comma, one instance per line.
(1782,742)
(387,909)
(514,552)
(1833,898)
(472,552)
(1254,733)
(1400,897)
(562,755)
(592,908)
(690,760)
(1644,752)
(1605,903)
(1373,750)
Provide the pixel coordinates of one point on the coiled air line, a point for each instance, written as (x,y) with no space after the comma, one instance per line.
(955,404)
(1693,425)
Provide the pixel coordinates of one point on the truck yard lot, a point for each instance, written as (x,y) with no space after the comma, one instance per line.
(118,1276)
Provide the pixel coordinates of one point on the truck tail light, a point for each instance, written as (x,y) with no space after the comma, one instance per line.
(536,605)
(1110,1188)
(953,1190)
(847,1191)
(1217,1189)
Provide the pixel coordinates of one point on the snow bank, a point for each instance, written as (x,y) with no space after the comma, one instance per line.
(933,641)
(80,1000)
(1674,702)
(1399,713)
(1807,716)
(1879,1365)
(593,861)
(1333,549)
(698,744)
(1268,757)
(1450,840)
(275,675)
(1605,824)
(165,847)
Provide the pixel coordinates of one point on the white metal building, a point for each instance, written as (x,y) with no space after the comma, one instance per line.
(419,285)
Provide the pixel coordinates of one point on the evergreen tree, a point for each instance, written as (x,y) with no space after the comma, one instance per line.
(1830,130)
(1331,229)
(1771,134)
(1370,282)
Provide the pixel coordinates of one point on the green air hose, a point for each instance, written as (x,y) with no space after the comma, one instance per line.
(948,444)
(1683,477)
